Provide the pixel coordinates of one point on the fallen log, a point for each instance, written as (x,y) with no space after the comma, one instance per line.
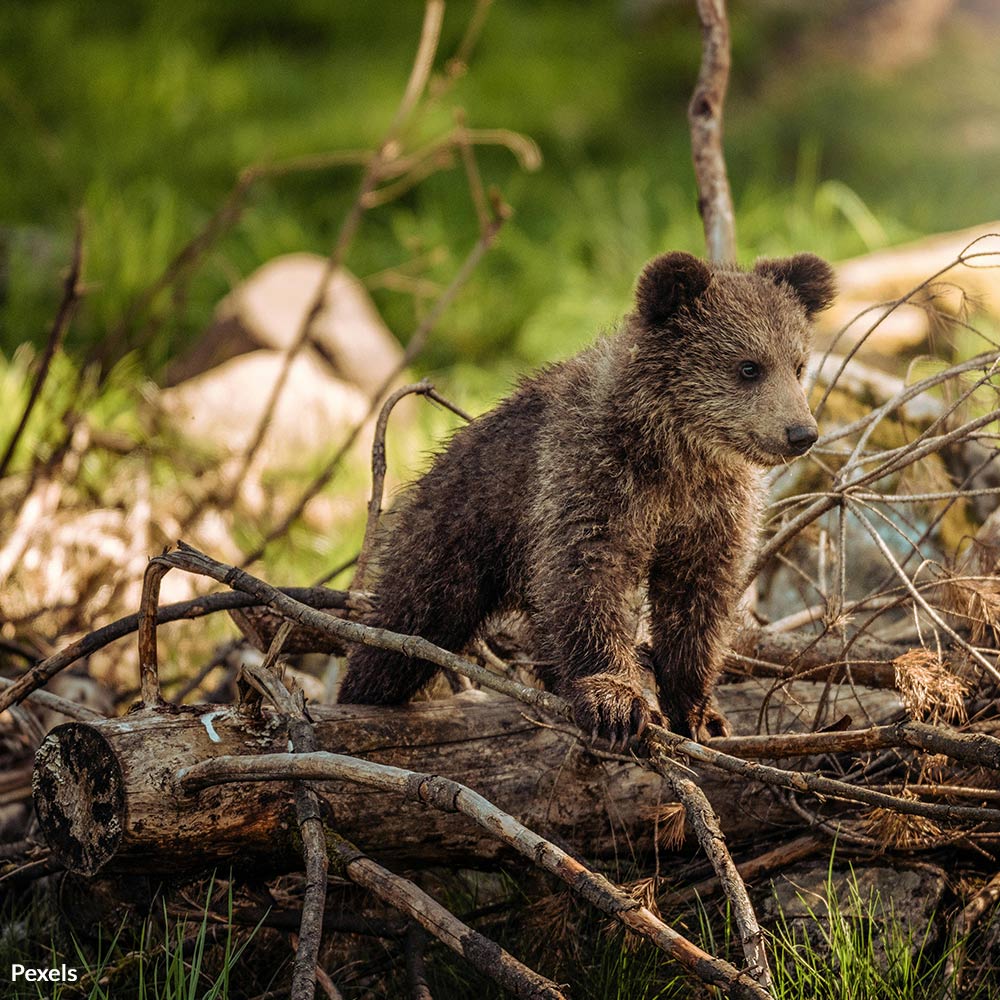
(107,796)
(763,653)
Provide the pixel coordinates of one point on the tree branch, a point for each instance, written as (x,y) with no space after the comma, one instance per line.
(715,202)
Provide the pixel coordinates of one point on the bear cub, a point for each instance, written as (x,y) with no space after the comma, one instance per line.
(636,463)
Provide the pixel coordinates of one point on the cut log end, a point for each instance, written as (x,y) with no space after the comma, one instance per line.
(79,794)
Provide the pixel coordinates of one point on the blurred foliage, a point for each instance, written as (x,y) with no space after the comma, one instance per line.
(142,113)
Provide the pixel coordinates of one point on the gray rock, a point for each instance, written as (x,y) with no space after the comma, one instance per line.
(894,905)
(268,309)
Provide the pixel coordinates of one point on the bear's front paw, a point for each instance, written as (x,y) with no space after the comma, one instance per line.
(708,722)
(699,721)
(610,708)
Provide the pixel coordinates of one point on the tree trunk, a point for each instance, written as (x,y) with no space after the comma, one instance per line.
(108,800)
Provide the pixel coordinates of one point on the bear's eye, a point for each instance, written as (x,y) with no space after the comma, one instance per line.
(750,371)
(799,371)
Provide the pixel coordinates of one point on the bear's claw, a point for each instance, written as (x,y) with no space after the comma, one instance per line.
(699,721)
(610,708)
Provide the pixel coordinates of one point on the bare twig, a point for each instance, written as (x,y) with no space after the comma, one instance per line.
(302,739)
(221,655)
(898,460)
(472,175)
(416,971)
(149,681)
(54,703)
(67,306)
(430,33)
(328,986)
(458,63)
(965,257)
(661,743)
(705,118)
(990,668)
(193,561)
(974,749)
(705,824)
(910,392)
(482,953)
(423,388)
(218,224)
(782,856)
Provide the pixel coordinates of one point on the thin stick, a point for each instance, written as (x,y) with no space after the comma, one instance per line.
(705,824)
(302,739)
(193,683)
(423,388)
(414,946)
(945,791)
(990,668)
(900,459)
(452,796)
(482,953)
(71,709)
(430,34)
(472,175)
(193,561)
(459,61)
(963,258)
(67,306)
(662,743)
(218,224)
(149,681)
(782,856)
(976,749)
(909,392)
(378,477)
(328,986)
(715,202)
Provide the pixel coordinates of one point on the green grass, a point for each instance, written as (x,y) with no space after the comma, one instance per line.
(159,957)
(854,947)
(152,958)
(851,945)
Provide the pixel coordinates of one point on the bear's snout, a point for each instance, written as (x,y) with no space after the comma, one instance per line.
(801,437)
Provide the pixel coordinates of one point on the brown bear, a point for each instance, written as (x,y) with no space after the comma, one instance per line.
(636,462)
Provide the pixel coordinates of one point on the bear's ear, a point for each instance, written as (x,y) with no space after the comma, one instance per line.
(667,283)
(808,276)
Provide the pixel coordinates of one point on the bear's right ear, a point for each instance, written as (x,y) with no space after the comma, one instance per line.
(667,283)
(810,277)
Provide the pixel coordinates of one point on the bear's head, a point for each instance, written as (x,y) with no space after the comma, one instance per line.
(727,349)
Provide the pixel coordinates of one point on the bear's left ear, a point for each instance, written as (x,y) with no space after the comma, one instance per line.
(668,283)
(808,276)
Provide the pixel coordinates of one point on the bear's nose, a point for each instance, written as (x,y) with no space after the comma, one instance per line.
(801,437)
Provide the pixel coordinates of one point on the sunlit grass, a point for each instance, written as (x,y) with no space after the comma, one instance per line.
(159,957)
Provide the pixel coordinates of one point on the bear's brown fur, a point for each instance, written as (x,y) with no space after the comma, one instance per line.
(635,462)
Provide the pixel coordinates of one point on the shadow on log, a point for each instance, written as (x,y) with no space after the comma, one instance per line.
(107,797)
